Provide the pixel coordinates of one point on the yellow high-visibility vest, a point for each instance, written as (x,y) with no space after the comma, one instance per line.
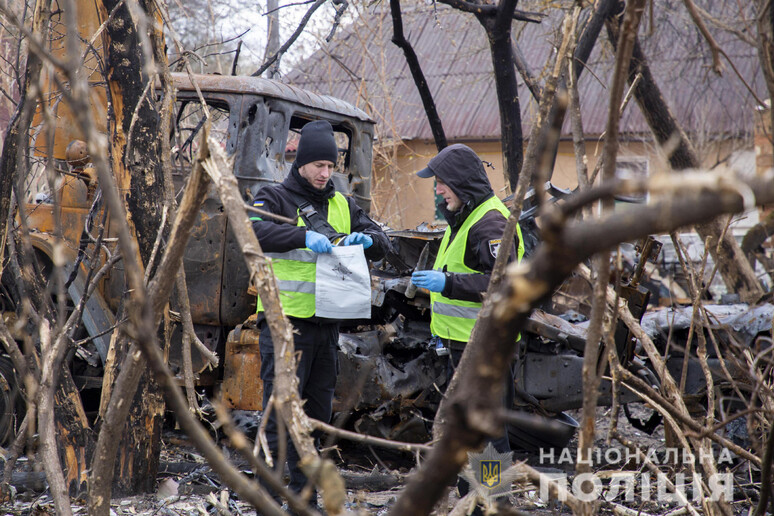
(296,269)
(454,318)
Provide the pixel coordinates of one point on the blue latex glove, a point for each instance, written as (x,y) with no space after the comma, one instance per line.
(318,243)
(434,281)
(358,238)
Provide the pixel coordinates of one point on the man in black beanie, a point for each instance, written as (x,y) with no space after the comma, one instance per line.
(325,215)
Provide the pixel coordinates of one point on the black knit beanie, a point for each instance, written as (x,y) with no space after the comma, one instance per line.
(316,143)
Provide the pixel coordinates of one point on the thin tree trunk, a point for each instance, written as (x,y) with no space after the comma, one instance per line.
(537,167)
(498,30)
(590,371)
(399,39)
(273,37)
(65,438)
(293,37)
(15,147)
(127,380)
(586,43)
(521,64)
(135,152)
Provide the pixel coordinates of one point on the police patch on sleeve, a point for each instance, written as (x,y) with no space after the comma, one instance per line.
(494,246)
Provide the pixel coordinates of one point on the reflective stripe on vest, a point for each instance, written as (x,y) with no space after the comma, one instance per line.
(304,287)
(453,318)
(296,269)
(465,312)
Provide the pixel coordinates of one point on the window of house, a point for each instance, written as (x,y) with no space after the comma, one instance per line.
(632,168)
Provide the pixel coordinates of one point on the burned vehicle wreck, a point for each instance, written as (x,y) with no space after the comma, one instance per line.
(402,373)
(256,121)
(399,374)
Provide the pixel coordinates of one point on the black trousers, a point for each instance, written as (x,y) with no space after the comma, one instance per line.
(317,370)
(501,443)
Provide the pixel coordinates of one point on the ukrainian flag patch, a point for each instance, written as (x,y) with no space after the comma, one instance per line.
(494,246)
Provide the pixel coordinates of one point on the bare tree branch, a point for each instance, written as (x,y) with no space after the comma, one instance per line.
(292,39)
(368,439)
(492,10)
(523,67)
(496,21)
(586,43)
(766,475)
(340,7)
(717,66)
(503,315)
(240,442)
(399,39)
(273,36)
(717,51)
(591,378)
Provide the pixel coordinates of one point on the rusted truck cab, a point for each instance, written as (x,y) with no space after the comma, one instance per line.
(257,122)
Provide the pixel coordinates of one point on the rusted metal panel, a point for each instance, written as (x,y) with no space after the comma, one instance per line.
(235,304)
(88,24)
(387,377)
(268,88)
(390,378)
(74,200)
(242,386)
(203,261)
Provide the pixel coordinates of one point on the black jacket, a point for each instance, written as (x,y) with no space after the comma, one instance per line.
(279,237)
(471,184)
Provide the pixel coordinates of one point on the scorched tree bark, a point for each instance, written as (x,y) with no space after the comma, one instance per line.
(134,143)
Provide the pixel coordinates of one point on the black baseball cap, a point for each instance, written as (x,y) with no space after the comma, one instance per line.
(454,157)
(426,172)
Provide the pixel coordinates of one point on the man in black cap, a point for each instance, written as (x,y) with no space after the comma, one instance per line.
(325,215)
(466,257)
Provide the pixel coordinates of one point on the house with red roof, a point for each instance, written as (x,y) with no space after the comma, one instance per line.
(362,66)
